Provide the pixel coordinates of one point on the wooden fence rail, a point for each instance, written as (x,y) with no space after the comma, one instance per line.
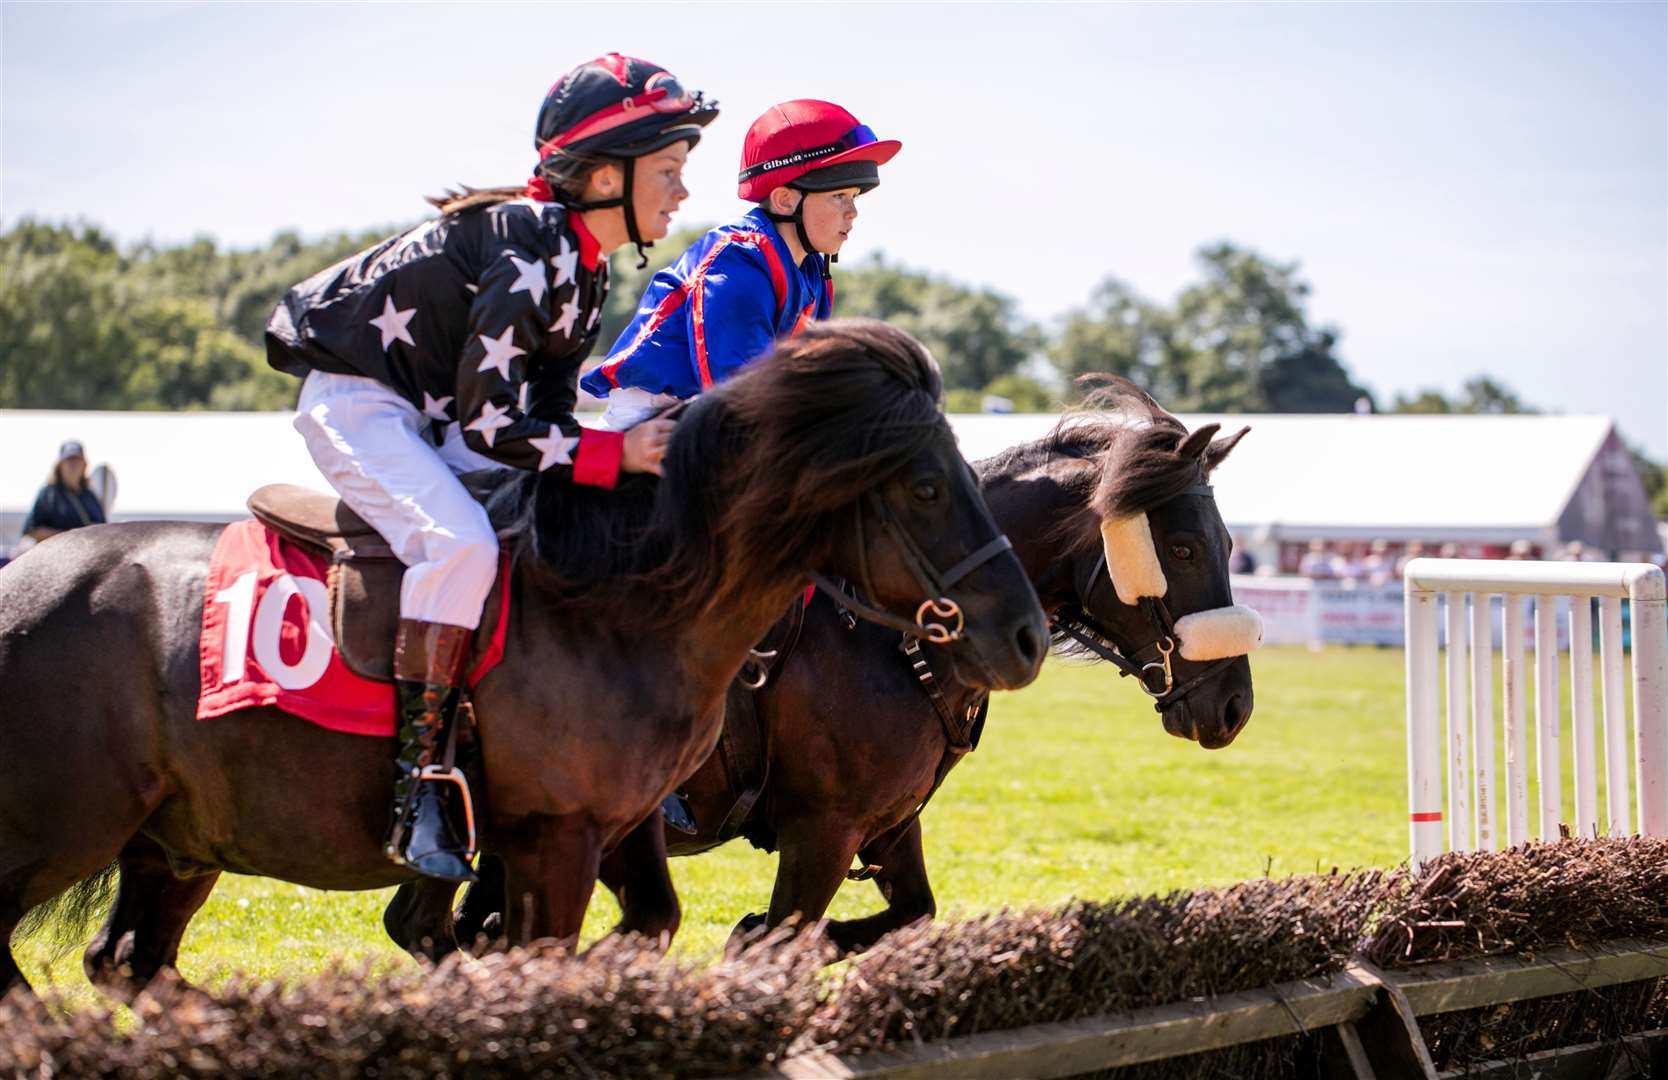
(1368,1017)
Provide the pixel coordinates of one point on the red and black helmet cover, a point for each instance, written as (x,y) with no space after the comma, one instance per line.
(619,106)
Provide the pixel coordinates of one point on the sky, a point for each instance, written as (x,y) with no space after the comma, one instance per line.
(1469,188)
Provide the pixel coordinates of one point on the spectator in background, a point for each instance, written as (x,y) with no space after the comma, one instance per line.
(1378,566)
(1415,550)
(1239,559)
(1576,551)
(1318,562)
(1520,550)
(65,502)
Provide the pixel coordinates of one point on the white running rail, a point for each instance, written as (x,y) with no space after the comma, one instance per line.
(1471,815)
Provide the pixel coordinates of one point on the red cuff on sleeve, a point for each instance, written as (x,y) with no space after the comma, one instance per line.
(597,461)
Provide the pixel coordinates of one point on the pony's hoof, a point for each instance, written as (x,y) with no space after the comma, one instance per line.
(747,929)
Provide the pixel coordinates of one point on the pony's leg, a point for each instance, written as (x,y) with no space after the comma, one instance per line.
(11,976)
(902,880)
(637,874)
(141,936)
(480,914)
(32,875)
(549,876)
(816,853)
(419,918)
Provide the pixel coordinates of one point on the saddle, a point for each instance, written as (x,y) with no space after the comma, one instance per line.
(365,575)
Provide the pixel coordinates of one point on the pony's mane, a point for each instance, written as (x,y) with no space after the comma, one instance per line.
(760,474)
(1130,450)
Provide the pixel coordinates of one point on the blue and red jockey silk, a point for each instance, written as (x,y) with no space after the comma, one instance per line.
(720,306)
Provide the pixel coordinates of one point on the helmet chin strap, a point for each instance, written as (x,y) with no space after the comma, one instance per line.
(798,219)
(628,168)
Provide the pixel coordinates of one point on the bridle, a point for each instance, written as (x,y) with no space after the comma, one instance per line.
(1150,663)
(939,618)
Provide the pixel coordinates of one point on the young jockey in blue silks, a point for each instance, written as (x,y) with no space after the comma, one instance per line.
(454,346)
(749,282)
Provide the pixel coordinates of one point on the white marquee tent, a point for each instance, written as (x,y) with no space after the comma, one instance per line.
(1469,479)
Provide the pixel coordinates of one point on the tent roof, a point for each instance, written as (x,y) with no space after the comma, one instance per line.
(1396,475)
(1416,475)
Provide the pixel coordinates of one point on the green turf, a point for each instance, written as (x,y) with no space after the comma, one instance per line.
(1075,791)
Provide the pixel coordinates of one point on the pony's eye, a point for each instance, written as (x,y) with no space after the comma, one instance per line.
(926,490)
(1181,551)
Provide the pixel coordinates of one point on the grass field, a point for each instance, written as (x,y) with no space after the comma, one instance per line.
(1076,791)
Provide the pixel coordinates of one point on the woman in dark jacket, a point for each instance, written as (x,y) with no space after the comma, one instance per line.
(65,501)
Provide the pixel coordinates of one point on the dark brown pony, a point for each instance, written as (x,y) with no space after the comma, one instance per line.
(632,612)
(855,743)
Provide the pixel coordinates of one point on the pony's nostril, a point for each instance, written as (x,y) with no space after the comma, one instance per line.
(1025,640)
(1237,712)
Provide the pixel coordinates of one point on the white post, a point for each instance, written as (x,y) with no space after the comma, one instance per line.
(1650,703)
(1424,750)
(1549,760)
(1581,714)
(1577,583)
(1459,729)
(1517,724)
(1616,784)
(1482,719)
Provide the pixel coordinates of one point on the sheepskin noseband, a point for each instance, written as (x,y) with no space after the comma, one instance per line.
(1131,560)
(1132,564)
(1219,633)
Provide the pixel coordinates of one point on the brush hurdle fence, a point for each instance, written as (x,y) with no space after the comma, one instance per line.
(1463,592)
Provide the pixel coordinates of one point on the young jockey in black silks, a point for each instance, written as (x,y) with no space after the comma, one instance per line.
(456,346)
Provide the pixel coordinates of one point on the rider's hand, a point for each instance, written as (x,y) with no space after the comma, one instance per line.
(645,445)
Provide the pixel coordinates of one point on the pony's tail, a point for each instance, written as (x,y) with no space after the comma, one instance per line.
(72,912)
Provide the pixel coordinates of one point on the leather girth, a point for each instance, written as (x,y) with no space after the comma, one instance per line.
(744,742)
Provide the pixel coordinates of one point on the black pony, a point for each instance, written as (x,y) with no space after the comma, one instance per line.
(630,616)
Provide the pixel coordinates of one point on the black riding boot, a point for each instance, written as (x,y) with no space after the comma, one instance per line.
(428,669)
(676,811)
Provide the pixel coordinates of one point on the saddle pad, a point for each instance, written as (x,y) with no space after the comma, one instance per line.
(268,638)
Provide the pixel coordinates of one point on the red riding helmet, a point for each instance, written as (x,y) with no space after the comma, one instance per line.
(812,146)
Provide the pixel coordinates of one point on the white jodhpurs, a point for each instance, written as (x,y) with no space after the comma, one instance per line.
(629,406)
(371,445)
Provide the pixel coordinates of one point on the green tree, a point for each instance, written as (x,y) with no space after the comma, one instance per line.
(1654,475)
(1240,341)
(1237,341)
(1425,401)
(976,335)
(1116,333)
(1480,394)
(82,326)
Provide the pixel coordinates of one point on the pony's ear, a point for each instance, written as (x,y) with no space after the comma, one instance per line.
(1218,450)
(1196,442)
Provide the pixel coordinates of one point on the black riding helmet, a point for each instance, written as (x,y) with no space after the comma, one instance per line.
(614,108)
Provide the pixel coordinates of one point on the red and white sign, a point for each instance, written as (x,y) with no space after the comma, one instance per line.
(267,638)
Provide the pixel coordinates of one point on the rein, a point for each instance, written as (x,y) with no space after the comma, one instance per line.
(939,619)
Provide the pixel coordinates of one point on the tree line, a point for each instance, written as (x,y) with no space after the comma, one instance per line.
(86,323)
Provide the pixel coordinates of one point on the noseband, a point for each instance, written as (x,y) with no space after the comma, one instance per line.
(1150,664)
(939,618)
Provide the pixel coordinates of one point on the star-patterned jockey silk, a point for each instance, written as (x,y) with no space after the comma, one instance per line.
(481,317)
